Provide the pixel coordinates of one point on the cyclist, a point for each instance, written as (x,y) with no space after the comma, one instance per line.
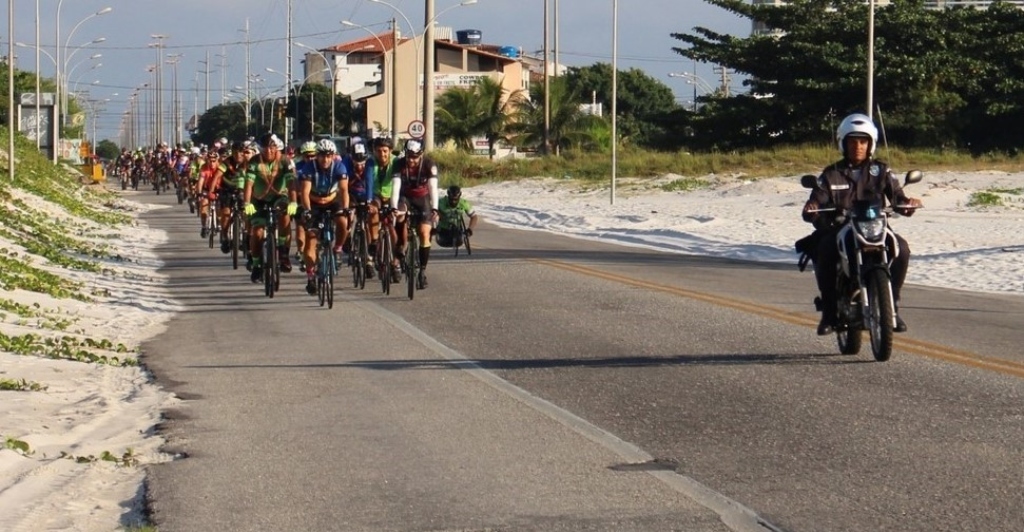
(229,183)
(415,190)
(452,208)
(381,168)
(323,186)
(268,180)
(209,175)
(307,152)
(360,189)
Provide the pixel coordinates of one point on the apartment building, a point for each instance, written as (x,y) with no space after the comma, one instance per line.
(363,71)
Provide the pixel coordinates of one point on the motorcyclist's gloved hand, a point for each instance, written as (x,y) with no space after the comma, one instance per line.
(292,208)
(250,209)
(809,214)
(910,207)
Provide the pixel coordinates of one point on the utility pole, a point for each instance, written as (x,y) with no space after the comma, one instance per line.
(248,57)
(555,49)
(288,71)
(428,76)
(206,70)
(547,80)
(394,82)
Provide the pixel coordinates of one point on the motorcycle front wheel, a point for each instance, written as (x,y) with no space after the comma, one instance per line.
(880,315)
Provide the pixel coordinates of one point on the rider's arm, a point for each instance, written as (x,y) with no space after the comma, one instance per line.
(305,186)
(342,173)
(469,212)
(396,189)
(249,180)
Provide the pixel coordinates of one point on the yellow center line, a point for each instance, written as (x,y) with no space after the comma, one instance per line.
(909,345)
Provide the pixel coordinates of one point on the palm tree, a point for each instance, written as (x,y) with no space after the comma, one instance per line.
(456,117)
(498,108)
(569,127)
(483,109)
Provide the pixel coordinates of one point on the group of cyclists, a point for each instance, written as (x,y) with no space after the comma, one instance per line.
(307,185)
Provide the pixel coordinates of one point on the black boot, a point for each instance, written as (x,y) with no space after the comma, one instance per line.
(828,322)
(901,326)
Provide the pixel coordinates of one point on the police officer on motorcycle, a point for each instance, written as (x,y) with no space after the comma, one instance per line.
(857,176)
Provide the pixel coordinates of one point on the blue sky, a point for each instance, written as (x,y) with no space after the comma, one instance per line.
(194,27)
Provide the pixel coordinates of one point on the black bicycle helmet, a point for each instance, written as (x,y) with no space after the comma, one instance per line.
(413,147)
(358,152)
(454,192)
(383,141)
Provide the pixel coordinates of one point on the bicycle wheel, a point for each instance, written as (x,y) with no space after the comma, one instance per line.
(269,254)
(236,238)
(329,279)
(322,269)
(384,258)
(412,260)
(358,261)
(211,226)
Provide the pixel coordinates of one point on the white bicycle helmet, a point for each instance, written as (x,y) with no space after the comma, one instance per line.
(326,146)
(308,147)
(858,125)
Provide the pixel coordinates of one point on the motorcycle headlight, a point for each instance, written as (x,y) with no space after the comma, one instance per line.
(871,229)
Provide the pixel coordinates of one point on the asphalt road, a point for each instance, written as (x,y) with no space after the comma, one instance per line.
(547,383)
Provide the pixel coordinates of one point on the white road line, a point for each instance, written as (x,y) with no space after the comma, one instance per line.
(733,514)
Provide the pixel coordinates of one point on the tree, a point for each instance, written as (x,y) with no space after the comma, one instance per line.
(456,117)
(641,99)
(485,109)
(299,109)
(224,120)
(107,149)
(942,76)
(570,126)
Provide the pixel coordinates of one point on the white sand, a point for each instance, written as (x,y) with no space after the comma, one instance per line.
(89,408)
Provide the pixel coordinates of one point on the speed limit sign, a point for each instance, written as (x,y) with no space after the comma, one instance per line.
(417,129)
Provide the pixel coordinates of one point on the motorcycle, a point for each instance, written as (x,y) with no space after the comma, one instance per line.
(867,245)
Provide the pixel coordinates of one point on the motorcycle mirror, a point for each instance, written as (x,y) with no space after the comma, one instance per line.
(913,176)
(809,181)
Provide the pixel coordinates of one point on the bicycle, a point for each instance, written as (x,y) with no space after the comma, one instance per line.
(326,262)
(236,227)
(385,251)
(360,255)
(414,274)
(212,220)
(461,239)
(268,250)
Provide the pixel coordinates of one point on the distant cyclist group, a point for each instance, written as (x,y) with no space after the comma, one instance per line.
(363,209)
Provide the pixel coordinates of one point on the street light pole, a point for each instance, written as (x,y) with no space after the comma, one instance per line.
(159,45)
(615,93)
(334,86)
(173,60)
(10,89)
(57,107)
(428,76)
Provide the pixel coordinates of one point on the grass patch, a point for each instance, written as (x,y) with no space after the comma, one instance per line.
(685,184)
(466,170)
(22,385)
(985,198)
(66,348)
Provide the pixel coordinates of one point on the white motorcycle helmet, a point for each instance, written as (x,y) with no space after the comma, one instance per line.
(858,125)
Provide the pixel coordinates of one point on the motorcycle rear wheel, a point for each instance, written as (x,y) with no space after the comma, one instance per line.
(849,341)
